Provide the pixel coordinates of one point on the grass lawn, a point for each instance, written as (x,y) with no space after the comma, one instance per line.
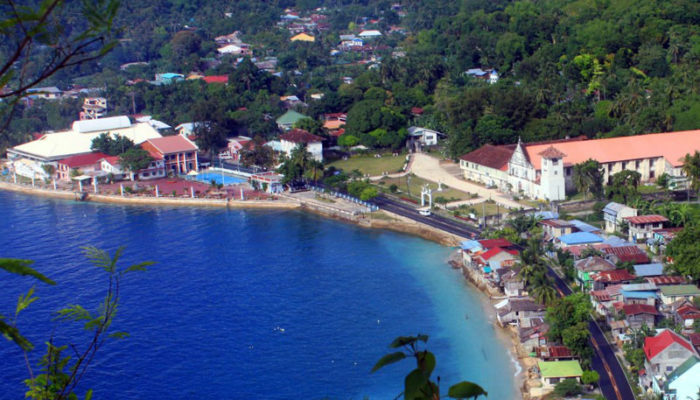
(482,208)
(370,165)
(415,187)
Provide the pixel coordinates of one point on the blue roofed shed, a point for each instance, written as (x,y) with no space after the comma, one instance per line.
(654,269)
(578,238)
(638,294)
(546,215)
(470,245)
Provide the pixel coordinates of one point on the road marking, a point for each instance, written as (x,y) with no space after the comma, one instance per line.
(607,369)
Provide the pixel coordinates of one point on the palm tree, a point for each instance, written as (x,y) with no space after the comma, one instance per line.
(691,169)
(544,293)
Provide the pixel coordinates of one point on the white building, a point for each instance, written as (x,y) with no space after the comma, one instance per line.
(544,170)
(78,140)
(424,136)
(291,139)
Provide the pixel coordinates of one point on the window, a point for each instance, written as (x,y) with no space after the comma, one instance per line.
(624,165)
(146,174)
(555,161)
(568,171)
(636,164)
(652,174)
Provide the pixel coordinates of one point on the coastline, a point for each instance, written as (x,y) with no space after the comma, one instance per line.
(380,220)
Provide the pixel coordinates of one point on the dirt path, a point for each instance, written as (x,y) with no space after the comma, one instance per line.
(430,168)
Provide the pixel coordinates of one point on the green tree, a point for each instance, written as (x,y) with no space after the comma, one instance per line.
(59,375)
(624,186)
(685,252)
(566,312)
(134,160)
(691,169)
(567,388)
(576,338)
(588,178)
(590,377)
(544,293)
(418,384)
(258,154)
(112,146)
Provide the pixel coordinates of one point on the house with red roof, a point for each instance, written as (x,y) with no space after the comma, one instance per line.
(642,227)
(84,163)
(178,153)
(235,148)
(216,79)
(632,254)
(685,314)
(294,137)
(638,315)
(603,279)
(663,354)
(495,258)
(111,165)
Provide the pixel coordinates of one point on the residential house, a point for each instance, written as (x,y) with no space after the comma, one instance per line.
(694,339)
(555,353)
(495,258)
(370,34)
(618,330)
(472,248)
(48,93)
(639,293)
(240,49)
(314,144)
(580,226)
(288,119)
(178,153)
(93,108)
(624,254)
(642,227)
(534,336)
(603,279)
(587,266)
(168,78)
(512,285)
(657,244)
(86,164)
(423,136)
(235,148)
(220,79)
(577,239)
(603,300)
(663,354)
(614,214)
(554,228)
(673,293)
(638,315)
(684,381)
(685,314)
(519,311)
(651,155)
(553,372)
(666,280)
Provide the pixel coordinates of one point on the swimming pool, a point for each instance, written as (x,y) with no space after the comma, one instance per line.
(219,178)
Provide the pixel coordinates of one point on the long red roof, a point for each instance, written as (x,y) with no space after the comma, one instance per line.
(300,136)
(82,160)
(634,309)
(495,157)
(491,243)
(655,345)
(646,219)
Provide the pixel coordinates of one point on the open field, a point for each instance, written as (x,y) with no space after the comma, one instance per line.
(415,185)
(370,165)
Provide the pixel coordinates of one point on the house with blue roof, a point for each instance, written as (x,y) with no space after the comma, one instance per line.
(644,270)
(578,238)
(639,297)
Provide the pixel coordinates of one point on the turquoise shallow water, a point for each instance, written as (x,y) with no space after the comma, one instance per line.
(246,304)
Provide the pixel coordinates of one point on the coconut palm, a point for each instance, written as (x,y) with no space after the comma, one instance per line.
(544,293)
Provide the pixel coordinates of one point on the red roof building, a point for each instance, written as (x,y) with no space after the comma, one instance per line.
(627,254)
(300,136)
(491,243)
(603,279)
(646,219)
(635,309)
(655,345)
(178,152)
(216,79)
(84,162)
(666,280)
(495,157)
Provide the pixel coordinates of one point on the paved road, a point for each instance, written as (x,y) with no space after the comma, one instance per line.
(612,382)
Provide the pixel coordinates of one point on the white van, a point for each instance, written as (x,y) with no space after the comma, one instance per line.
(424,211)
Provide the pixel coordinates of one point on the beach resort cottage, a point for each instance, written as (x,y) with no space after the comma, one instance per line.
(673,293)
(290,140)
(614,214)
(642,227)
(178,153)
(553,372)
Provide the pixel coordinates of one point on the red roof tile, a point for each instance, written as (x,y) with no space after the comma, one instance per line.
(300,136)
(551,152)
(646,219)
(666,280)
(496,250)
(82,160)
(216,79)
(655,345)
(618,275)
(495,157)
(628,253)
(634,309)
(172,144)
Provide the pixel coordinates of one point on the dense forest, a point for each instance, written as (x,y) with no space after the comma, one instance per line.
(598,68)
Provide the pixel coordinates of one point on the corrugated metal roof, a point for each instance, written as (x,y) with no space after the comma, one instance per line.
(580,238)
(654,269)
(101,124)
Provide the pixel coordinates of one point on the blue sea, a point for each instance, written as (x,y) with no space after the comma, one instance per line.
(245,304)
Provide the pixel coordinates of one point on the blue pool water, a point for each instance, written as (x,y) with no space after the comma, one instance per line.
(245,304)
(224,179)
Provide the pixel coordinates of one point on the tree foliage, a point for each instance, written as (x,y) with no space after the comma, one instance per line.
(58,375)
(588,178)
(418,384)
(111,145)
(135,159)
(685,252)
